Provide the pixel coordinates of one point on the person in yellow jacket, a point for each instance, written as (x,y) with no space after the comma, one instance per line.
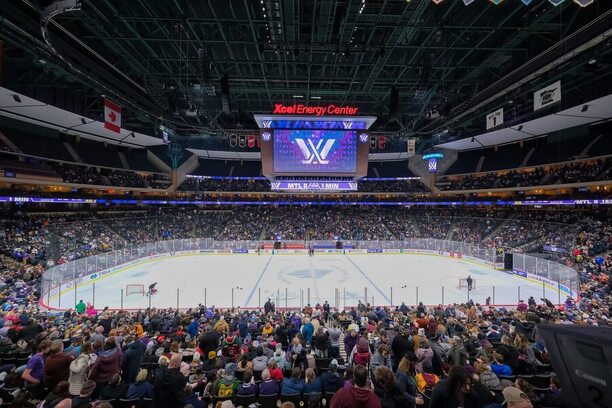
(427,379)
(138,330)
(221,326)
(267,329)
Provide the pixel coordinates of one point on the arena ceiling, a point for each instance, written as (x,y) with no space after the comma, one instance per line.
(205,66)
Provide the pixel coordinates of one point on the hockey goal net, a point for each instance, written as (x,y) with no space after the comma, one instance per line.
(463,283)
(134,289)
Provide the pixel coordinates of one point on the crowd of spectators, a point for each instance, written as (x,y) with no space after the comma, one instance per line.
(125,179)
(107,177)
(579,173)
(195,184)
(570,173)
(408,356)
(396,186)
(81,175)
(392,357)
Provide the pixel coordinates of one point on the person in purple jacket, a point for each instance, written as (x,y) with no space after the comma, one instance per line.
(267,385)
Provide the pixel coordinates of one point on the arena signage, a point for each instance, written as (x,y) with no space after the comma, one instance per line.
(300,109)
(314,186)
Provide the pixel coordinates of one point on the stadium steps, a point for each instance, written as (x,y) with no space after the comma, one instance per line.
(544,179)
(585,152)
(12,147)
(73,153)
(110,229)
(451,230)
(604,175)
(124,161)
(496,229)
(342,350)
(527,157)
(157,162)
(480,163)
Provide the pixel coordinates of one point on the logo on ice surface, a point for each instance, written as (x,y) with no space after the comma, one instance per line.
(315,154)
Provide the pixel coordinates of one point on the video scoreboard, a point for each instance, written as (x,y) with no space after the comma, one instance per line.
(314,153)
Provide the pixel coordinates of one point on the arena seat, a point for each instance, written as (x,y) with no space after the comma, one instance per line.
(268,401)
(294,398)
(245,400)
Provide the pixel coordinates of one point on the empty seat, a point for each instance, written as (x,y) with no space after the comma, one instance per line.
(245,400)
(294,398)
(268,401)
(127,402)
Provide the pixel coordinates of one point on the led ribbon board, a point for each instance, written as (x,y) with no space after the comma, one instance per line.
(306,186)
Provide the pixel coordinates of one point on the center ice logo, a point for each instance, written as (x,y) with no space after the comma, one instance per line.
(315,154)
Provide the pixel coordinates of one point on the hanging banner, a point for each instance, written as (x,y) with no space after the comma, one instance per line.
(548,96)
(495,119)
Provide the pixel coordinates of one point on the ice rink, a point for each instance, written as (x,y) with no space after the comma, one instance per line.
(295,280)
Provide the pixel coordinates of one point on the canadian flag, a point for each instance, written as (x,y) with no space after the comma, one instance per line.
(112,116)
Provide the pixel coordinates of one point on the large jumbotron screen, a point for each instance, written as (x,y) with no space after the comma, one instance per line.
(322,146)
(315,151)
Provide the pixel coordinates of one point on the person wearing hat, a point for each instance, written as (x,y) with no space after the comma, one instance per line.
(211,362)
(515,398)
(209,341)
(227,386)
(331,380)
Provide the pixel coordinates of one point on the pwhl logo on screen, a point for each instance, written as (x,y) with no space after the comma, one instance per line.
(315,154)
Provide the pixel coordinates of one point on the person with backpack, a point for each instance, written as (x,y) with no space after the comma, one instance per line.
(361,353)
(79,368)
(405,382)
(426,379)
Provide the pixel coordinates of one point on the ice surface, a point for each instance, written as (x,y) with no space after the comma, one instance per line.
(295,280)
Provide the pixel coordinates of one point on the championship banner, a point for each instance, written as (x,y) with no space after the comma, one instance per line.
(411,147)
(548,96)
